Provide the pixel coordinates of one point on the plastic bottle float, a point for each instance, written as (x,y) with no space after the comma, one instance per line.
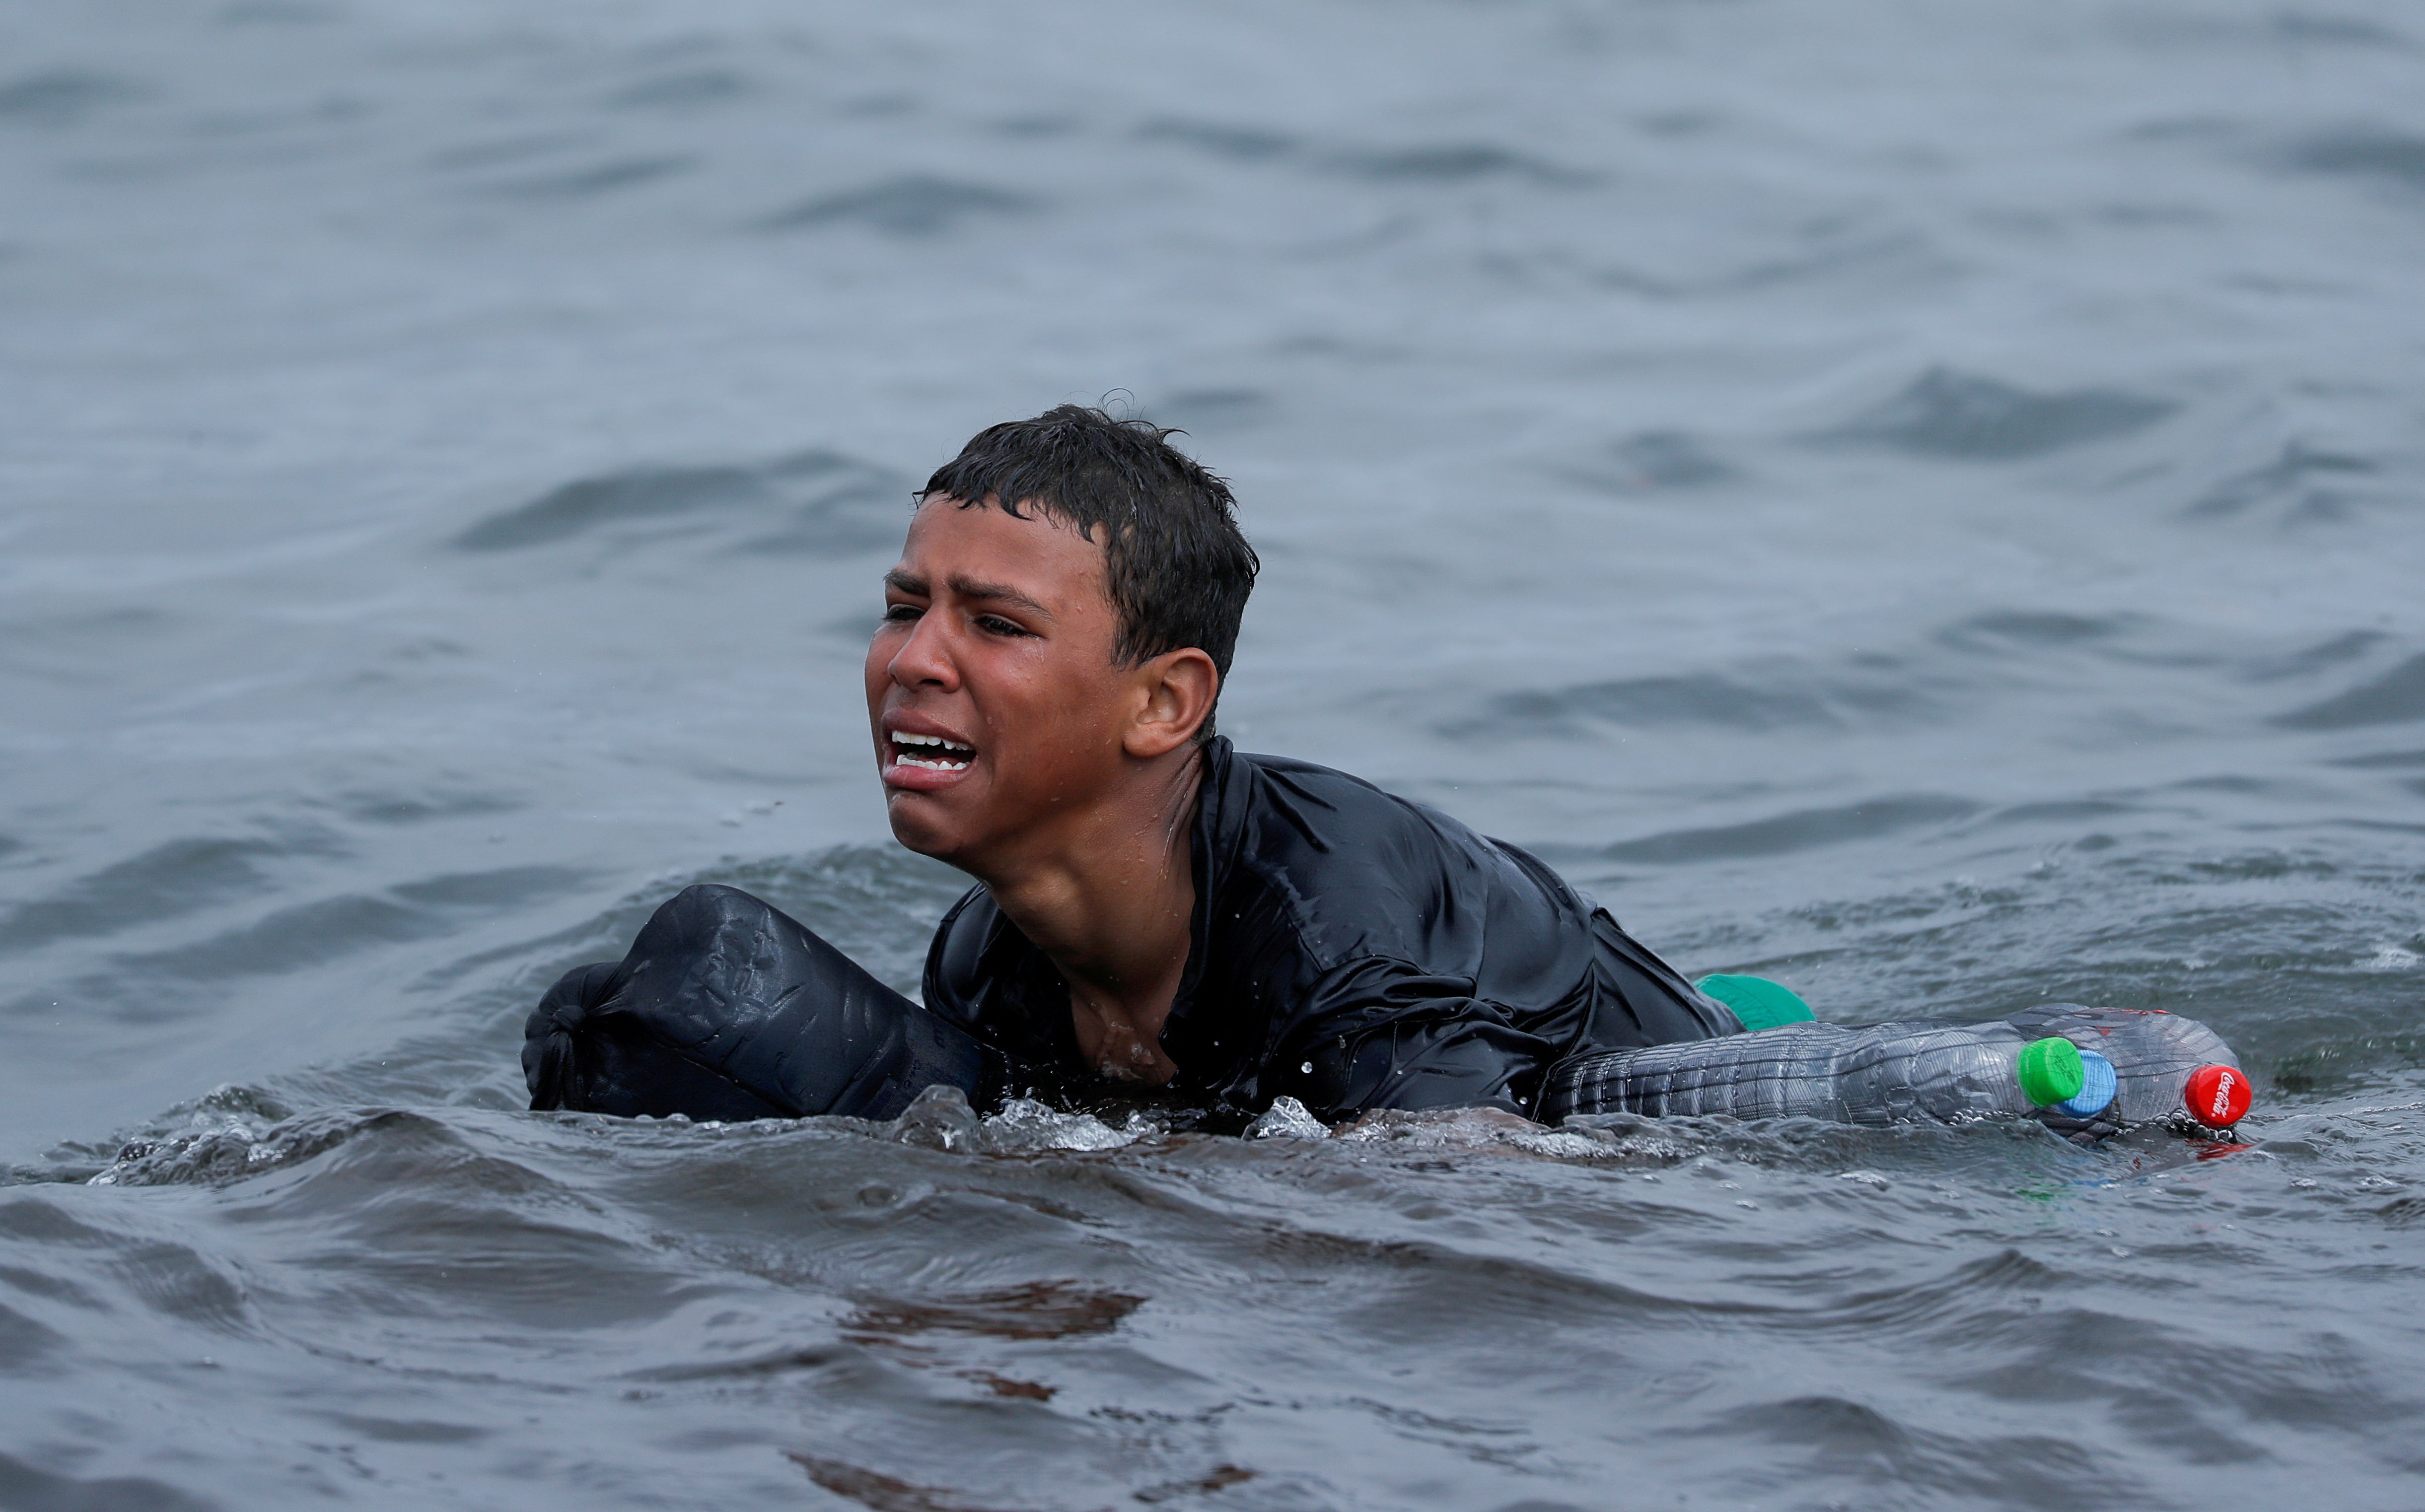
(2076,1069)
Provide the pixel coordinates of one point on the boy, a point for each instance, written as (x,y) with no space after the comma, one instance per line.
(1153,906)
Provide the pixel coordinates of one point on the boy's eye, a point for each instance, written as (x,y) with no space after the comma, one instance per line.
(902,611)
(996,625)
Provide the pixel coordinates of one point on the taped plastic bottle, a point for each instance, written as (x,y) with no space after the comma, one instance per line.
(2165,1066)
(2077,1068)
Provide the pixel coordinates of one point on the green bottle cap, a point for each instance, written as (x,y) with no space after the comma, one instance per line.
(2051,1070)
(1761,1003)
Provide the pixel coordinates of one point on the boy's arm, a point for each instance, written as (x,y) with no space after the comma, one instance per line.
(1383,1033)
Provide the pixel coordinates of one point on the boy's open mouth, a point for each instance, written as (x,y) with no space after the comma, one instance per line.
(930,751)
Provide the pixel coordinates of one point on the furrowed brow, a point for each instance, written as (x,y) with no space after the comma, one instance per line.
(998,592)
(906,582)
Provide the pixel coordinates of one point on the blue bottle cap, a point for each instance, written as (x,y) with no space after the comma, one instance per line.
(2097,1088)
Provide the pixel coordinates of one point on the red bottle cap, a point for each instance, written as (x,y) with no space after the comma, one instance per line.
(2217,1096)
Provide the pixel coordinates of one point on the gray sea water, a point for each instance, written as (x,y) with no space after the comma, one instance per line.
(1919,501)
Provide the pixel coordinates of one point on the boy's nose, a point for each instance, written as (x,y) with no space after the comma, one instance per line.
(925,658)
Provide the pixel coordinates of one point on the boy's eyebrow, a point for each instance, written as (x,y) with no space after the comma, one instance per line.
(998,591)
(909,582)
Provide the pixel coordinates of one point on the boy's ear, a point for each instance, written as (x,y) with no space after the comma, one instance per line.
(1178,687)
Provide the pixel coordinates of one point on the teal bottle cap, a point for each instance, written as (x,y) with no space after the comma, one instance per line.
(1761,1003)
(2051,1070)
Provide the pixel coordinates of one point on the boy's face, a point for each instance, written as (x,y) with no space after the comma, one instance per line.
(995,701)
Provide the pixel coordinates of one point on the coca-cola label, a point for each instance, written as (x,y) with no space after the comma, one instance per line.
(2217,1096)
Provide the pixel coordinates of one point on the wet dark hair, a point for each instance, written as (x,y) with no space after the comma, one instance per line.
(1176,565)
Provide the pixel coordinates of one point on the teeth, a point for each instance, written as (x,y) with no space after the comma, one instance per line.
(941,753)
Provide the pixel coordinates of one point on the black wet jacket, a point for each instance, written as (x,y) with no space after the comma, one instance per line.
(1351,950)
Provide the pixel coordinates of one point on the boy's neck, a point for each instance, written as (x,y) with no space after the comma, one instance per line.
(1109,897)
